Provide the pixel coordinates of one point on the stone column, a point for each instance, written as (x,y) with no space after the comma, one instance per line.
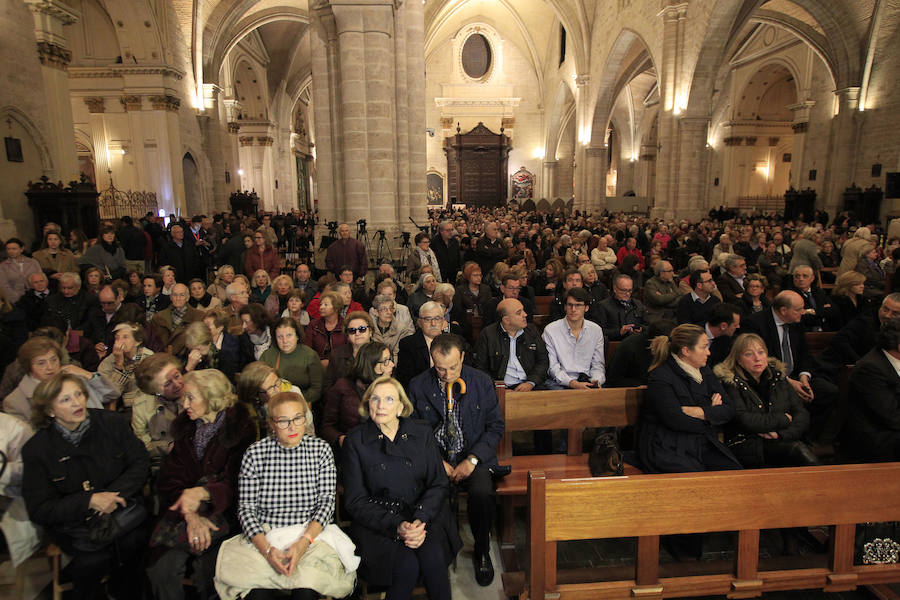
(96,107)
(690,166)
(548,180)
(164,164)
(582,97)
(215,135)
(53,51)
(841,164)
(800,127)
(595,177)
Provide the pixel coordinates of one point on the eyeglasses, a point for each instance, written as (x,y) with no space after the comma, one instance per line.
(385,362)
(297,422)
(432,320)
(570,305)
(275,387)
(355,330)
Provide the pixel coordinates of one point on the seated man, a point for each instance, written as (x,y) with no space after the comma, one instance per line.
(34,302)
(629,365)
(461,406)
(386,271)
(512,350)
(696,307)
(171,324)
(69,307)
(818,312)
(509,288)
(575,347)
(572,279)
(731,281)
(622,314)
(102,320)
(856,338)
(238,297)
(720,328)
(661,293)
(303,281)
(414,357)
(872,432)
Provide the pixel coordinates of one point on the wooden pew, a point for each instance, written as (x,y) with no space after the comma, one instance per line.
(557,409)
(542,304)
(816,341)
(744,501)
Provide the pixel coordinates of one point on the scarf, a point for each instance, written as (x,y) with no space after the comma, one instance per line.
(178,315)
(111,248)
(204,301)
(693,372)
(260,341)
(74,437)
(204,433)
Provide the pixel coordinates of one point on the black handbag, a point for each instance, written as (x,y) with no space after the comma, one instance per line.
(101,529)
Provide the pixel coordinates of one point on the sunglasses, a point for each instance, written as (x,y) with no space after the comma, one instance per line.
(355,330)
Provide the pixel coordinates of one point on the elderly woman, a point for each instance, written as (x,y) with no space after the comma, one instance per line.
(200,352)
(754,299)
(293,361)
(358,327)
(294,307)
(256,337)
(848,297)
(198,484)
(262,256)
(422,255)
(444,293)
(259,382)
(401,522)
(874,274)
(93,279)
(261,288)
(167,274)
(343,398)
(127,353)
(770,420)
(546,282)
(200,298)
(224,276)
(683,408)
(423,293)
(84,468)
(472,294)
(388,330)
(106,255)
(326,333)
(277,301)
(283,517)
(159,377)
(227,345)
(41,358)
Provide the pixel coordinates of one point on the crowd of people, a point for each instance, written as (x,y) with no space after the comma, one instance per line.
(184,398)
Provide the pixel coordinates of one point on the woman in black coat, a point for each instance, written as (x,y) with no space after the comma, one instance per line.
(683,408)
(84,466)
(770,419)
(395,490)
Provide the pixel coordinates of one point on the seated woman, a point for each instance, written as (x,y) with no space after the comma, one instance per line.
(326,333)
(198,484)
(754,300)
(295,307)
(22,538)
(257,384)
(472,294)
(84,467)
(869,266)
(849,299)
(277,301)
(422,294)
(224,277)
(342,399)
(296,507)
(295,362)
(358,327)
(683,408)
(159,377)
(770,419)
(261,288)
(41,358)
(257,336)
(106,255)
(226,344)
(395,490)
(388,330)
(93,279)
(127,353)
(200,352)
(168,277)
(200,298)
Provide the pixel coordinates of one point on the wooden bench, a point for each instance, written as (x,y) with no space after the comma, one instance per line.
(542,304)
(558,409)
(816,341)
(649,506)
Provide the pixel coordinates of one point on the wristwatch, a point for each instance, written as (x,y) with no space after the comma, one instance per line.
(473,460)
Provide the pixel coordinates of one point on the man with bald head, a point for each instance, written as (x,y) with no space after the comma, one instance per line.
(171,323)
(511,349)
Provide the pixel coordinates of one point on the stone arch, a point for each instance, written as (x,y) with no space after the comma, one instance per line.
(15,216)
(132,20)
(239,74)
(563,104)
(11,112)
(193,185)
(614,76)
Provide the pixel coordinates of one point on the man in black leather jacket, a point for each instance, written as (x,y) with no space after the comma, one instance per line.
(492,350)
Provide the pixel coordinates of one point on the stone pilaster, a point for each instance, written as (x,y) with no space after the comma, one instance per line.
(842,154)
(582,109)
(798,148)
(691,165)
(53,51)
(548,180)
(595,177)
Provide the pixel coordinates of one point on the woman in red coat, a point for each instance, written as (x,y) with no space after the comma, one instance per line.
(262,256)
(630,248)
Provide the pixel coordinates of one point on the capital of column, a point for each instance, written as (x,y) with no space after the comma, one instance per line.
(674,11)
(595,151)
(234,127)
(361,16)
(95,104)
(66,15)
(551,164)
(582,80)
(167,102)
(848,97)
(53,55)
(246,140)
(131,102)
(49,17)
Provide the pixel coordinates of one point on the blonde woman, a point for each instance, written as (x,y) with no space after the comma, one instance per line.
(261,288)
(848,297)
(277,301)
(224,276)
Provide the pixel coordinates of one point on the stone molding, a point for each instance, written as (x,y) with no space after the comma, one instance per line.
(446,122)
(246,140)
(168,103)
(122,70)
(477,102)
(54,55)
(95,104)
(734,140)
(131,102)
(801,127)
(674,11)
(595,152)
(233,127)
(265,140)
(505,123)
(773,141)
(55,9)
(750,140)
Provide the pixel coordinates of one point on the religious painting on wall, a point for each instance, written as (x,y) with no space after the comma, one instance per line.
(434,188)
(13,149)
(522,185)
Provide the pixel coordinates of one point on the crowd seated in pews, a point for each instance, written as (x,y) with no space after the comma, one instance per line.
(203,375)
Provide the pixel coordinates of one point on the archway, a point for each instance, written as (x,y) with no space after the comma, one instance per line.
(26,159)
(193,190)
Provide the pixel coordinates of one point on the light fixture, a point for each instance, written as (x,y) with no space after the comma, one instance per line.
(538,153)
(240,172)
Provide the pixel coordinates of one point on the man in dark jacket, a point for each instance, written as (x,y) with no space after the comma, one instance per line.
(720,329)
(446,248)
(33,302)
(818,312)
(232,251)
(69,307)
(461,406)
(413,356)
(696,307)
(180,254)
(856,338)
(629,365)
(529,364)
(347,251)
(489,250)
(731,281)
(622,314)
(132,239)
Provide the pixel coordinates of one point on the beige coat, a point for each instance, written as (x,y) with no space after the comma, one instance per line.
(852,249)
(124,380)
(151,420)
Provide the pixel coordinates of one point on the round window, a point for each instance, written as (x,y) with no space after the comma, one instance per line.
(476,56)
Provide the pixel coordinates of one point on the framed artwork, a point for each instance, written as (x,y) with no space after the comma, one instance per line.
(434,189)
(522,184)
(13,149)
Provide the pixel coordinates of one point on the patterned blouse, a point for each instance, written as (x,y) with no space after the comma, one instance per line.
(281,486)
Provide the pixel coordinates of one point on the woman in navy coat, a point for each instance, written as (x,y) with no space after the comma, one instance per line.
(395,490)
(684,408)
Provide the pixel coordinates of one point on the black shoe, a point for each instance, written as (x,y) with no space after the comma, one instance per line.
(484,570)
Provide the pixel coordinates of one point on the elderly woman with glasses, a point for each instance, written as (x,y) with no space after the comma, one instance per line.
(395,490)
(159,377)
(293,361)
(358,327)
(388,329)
(127,353)
(286,485)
